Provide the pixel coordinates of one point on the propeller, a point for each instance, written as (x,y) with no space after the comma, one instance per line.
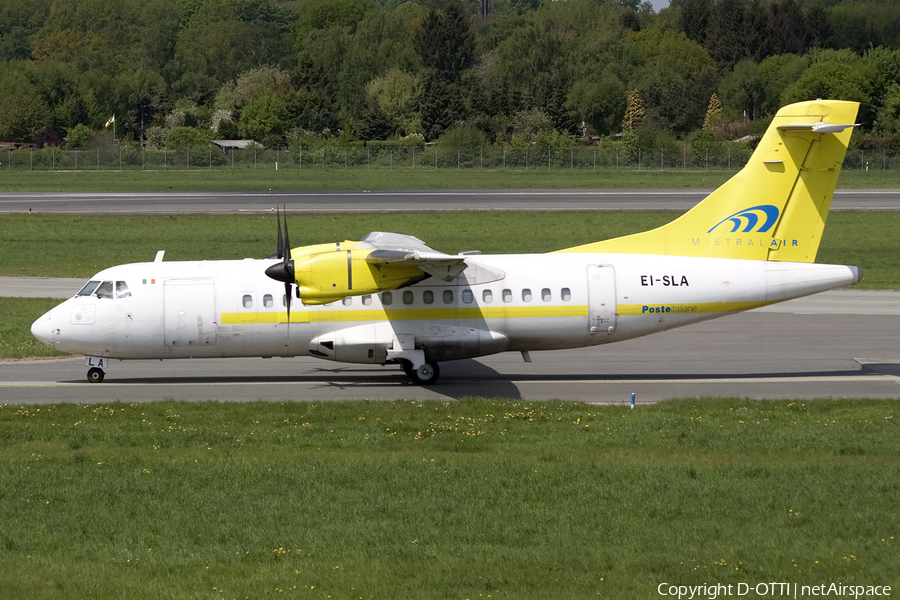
(283,271)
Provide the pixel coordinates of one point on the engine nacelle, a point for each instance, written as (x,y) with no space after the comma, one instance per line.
(328,275)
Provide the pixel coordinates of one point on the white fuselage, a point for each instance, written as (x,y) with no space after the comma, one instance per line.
(500,303)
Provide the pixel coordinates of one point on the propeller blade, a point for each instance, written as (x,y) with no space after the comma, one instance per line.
(283,271)
(287,300)
(287,242)
(280,248)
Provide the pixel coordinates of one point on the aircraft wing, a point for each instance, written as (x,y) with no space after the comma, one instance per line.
(408,251)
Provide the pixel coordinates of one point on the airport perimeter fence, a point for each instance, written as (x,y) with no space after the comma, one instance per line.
(382,156)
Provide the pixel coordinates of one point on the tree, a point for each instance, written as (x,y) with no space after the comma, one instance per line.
(445,43)
(788,28)
(695,18)
(263,116)
(829,79)
(395,95)
(742,90)
(186,138)
(713,112)
(725,40)
(634,112)
(600,104)
(79,136)
(23,118)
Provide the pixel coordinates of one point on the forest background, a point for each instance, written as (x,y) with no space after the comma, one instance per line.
(519,73)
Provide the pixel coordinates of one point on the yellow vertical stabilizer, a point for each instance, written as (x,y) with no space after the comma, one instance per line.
(775,207)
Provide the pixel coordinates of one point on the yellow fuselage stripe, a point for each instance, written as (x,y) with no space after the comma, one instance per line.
(672,308)
(477,312)
(405,314)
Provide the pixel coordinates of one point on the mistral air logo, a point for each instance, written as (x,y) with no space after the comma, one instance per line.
(756,219)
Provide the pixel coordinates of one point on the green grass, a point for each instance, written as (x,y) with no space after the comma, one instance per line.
(16,340)
(470,499)
(382,179)
(79,246)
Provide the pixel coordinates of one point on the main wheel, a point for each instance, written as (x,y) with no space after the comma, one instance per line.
(95,375)
(427,374)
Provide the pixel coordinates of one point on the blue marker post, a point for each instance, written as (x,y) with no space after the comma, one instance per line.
(632,400)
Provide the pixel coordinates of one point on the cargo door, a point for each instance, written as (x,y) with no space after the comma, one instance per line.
(189,312)
(601,298)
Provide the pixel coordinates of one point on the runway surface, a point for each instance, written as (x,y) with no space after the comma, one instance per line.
(390,201)
(836,344)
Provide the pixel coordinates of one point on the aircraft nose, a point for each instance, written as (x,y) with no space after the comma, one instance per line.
(42,329)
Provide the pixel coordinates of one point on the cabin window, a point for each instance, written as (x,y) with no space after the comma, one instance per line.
(428,297)
(247,301)
(285,299)
(467,296)
(88,288)
(122,290)
(347,301)
(367,300)
(105,290)
(507,296)
(526,295)
(268,301)
(487,296)
(387,298)
(566,294)
(448,296)
(407,297)
(546,296)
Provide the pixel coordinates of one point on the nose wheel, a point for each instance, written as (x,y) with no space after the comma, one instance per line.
(95,375)
(427,374)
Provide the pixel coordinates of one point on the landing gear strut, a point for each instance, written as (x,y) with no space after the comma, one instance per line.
(95,375)
(427,374)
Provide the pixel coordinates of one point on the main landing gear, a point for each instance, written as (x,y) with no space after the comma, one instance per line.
(426,374)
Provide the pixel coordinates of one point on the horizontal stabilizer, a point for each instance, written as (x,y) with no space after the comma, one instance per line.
(819,127)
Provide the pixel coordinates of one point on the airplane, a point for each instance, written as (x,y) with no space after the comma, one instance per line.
(390,299)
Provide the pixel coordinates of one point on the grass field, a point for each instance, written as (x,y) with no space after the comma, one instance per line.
(81,245)
(471,499)
(382,179)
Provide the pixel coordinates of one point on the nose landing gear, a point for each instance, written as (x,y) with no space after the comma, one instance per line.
(95,375)
(95,366)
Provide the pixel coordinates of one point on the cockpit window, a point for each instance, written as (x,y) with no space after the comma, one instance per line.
(105,290)
(88,288)
(122,290)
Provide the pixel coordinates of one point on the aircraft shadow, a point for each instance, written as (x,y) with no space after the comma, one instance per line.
(471,378)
